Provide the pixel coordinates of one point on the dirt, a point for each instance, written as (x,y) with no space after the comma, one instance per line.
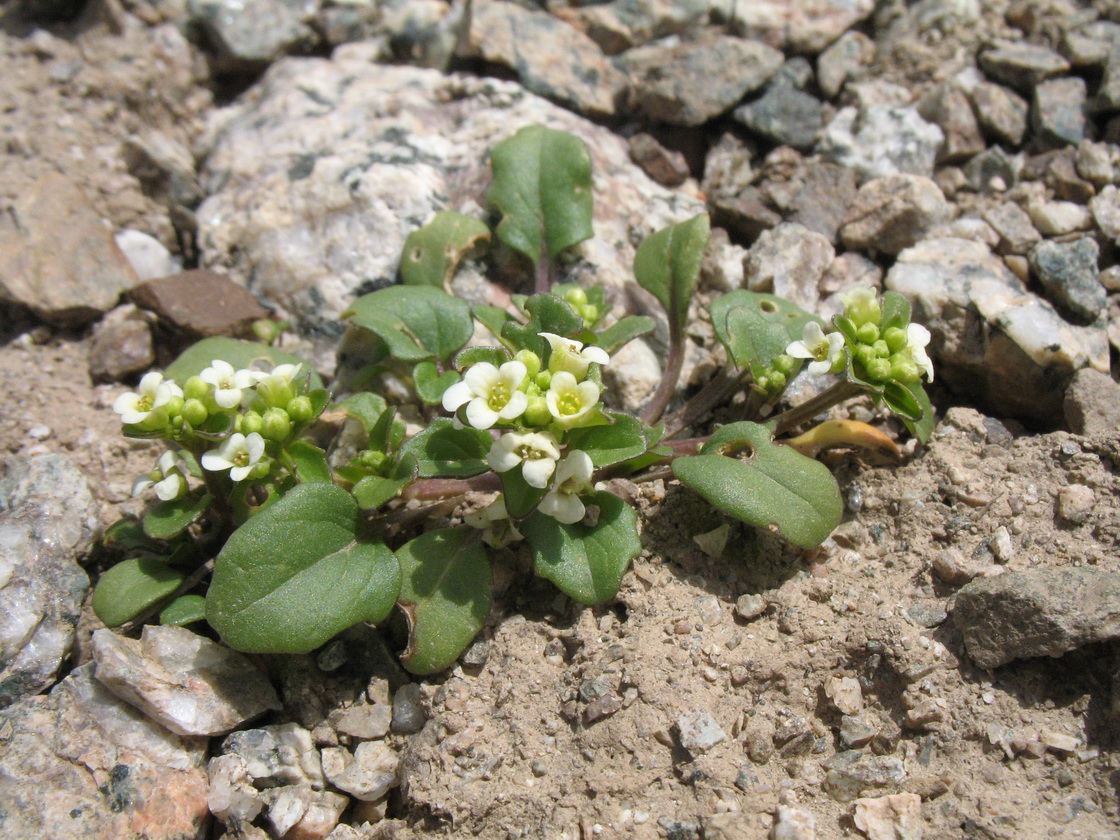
(525,745)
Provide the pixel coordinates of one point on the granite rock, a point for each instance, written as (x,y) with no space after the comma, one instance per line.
(892,213)
(1021,65)
(1068,274)
(274,756)
(947,107)
(48,519)
(1001,112)
(805,27)
(1058,111)
(246,35)
(789,261)
(784,115)
(1092,403)
(619,25)
(881,140)
(1017,235)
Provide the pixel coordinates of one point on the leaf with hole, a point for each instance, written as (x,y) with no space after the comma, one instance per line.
(445,594)
(417,322)
(433,253)
(775,487)
(297,574)
(542,188)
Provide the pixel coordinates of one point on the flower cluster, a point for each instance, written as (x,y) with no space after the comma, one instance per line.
(536,406)
(244,410)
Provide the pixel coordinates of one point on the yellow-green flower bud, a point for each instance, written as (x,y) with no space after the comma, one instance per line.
(261,469)
(195,388)
(895,338)
(903,369)
(248,423)
(537,414)
(867,333)
(543,379)
(276,425)
(865,355)
(194,412)
(300,409)
(531,361)
(881,349)
(763,382)
(777,381)
(173,407)
(576,296)
(370,458)
(879,369)
(784,363)
(590,313)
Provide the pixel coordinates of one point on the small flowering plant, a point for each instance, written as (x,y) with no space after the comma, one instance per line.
(284,518)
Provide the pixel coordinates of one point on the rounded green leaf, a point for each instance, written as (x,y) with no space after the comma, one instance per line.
(310,460)
(240,354)
(775,487)
(623,439)
(168,520)
(756,327)
(542,188)
(295,575)
(186,609)
(667,264)
(131,586)
(432,253)
(417,322)
(585,561)
(443,450)
(445,593)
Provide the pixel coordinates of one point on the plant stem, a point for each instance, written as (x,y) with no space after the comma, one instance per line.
(673,364)
(810,408)
(431,489)
(719,388)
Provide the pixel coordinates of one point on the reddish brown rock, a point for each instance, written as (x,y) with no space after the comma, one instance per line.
(200,303)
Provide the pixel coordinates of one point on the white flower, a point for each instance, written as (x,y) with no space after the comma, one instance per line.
(537,452)
(489,393)
(570,401)
(238,453)
(862,305)
(494,521)
(154,392)
(571,356)
(276,387)
(814,344)
(167,478)
(573,476)
(228,383)
(917,337)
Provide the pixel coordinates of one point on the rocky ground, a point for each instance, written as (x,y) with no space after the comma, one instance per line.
(943,667)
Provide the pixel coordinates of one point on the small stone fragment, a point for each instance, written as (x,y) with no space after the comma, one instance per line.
(1059,742)
(121,345)
(948,108)
(881,140)
(892,213)
(277,755)
(855,732)
(699,731)
(852,772)
(894,817)
(368,774)
(845,694)
(232,793)
(667,167)
(783,115)
(1058,111)
(146,254)
(794,824)
(1092,403)
(1021,65)
(200,303)
(844,60)
(364,722)
(750,606)
(713,542)
(1068,274)
(602,707)
(300,813)
(789,261)
(408,709)
(1058,218)
(1002,113)
(1017,234)
(1075,503)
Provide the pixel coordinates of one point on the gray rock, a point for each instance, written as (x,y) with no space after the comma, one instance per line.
(689,82)
(1058,111)
(846,59)
(1068,274)
(1090,44)
(57,258)
(892,213)
(1021,65)
(947,107)
(789,261)
(881,140)
(408,709)
(699,731)
(1016,233)
(621,24)
(364,722)
(48,519)
(1001,112)
(993,170)
(1108,94)
(246,35)
(277,755)
(424,33)
(1092,403)
(1097,162)
(551,58)
(665,166)
(81,763)
(121,345)
(146,254)
(855,732)
(1037,612)
(804,28)
(297,811)
(784,115)
(991,338)
(851,772)
(1105,207)
(395,145)
(191,685)
(822,196)
(367,774)
(727,167)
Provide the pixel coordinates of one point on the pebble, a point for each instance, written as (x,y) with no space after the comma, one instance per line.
(843,60)
(668,167)
(408,709)
(1105,209)
(924,614)
(992,171)
(894,817)
(891,213)
(232,794)
(947,107)
(1021,65)
(1059,218)
(602,707)
(245,40)
(1092,403)
(1001,112)
(881,140)
(300,813)
(282,754)
(147,255)
(367,774)
(802,28)
(851,772)
(1017,234)
(191,685)
(855,732)
(1037,612)
(789,261)
(1068,274)
(783,115)
(1058,112)
(364,721)
(699,731)
(121,345)
(200,303)
(750,606)
(794,824)
(845,694)
(1076,503)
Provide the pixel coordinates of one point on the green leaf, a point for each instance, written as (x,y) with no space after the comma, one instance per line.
(445,593)
(367,407)
(624,331)
(585,561)
(186,609)
(521,498)
(622,440)
(433,253)
(547,313)
(755,327)
(381,436)
(896,311)
(311,461)
(128,534)
(240,354)
(775,487)
(667,265)
(168,520)
(373,491)
(430,383)
(443,450)
(296,574)
(131,586)
(417,322)
(902,401)
(922,428)
(542,188)
(473,355)
(493,318)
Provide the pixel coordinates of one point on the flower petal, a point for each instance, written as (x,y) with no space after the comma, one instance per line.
(480,415)
(456,396)
(537,471)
